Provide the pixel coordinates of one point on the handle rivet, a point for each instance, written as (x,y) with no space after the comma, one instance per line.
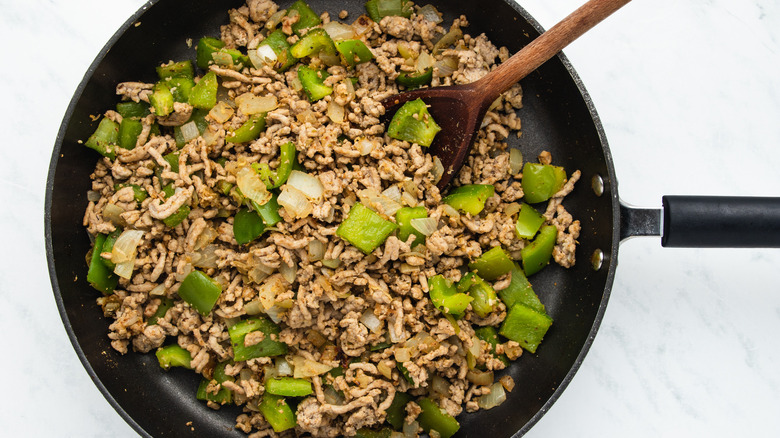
(597,184)
(597,259)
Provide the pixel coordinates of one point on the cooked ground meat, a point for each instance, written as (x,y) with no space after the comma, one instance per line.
(335,306)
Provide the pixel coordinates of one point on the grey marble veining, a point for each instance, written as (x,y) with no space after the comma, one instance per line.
(689,95)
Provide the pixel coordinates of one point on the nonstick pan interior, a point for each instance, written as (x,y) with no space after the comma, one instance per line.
(557,116)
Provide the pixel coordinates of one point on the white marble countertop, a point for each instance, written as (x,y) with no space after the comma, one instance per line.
(689,95)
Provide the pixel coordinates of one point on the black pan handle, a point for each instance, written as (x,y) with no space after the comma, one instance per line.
(721,222)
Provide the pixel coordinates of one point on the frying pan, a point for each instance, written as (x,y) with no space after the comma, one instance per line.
(558,116)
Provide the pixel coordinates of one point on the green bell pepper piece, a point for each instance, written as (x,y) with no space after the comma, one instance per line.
(541,181)
(378,9)
(396,413)
(205,51)
(176,218)
(315,41)
(180,87)
(307,17)
(249,131)
(173,356)
(403,217)
(490,335)
(230,58)
(277,412)
(105,139)
(201,291)
(528,222)
(139,193)
(161,99)
(224,395)
(204,93)
(413,123)
(108,245)
(98,274)
(435,418)
(520,291)
(265,348)
(165,304)
(269,211)
(353,52)
(405,373)
(184,211)
(275,179)
(483,295)
(129,130)
(470,198)
(492,264)
(445,296)
(288,387)
(416,79)
(132,109)
(525,326)
(365,229)
(313,83)
(277,41)
(247,226)
(175,69)
(537,254)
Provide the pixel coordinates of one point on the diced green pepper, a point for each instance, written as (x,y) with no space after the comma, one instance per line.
(173,356)
(520,291)
(492,264)
(378,9)
(275,179)
(139,193)
(470,198)
(174,69)
(277,41)
(405,373)
(541,181)
(98,274)
(230,58)
(129,130)
(177,217)
(416,79)
(396,413)
(403,217)
(205,50)
(435,418)
(288,387)
(180,87)
(249,131)
(269,211)
(413,123)
(165,304)
(224,395)
(108,245)
(525,326)
(380,346)
(483,295)
(306,16)
(105,139)
(315,41)
(490,335)
(161,99)
(200,290)
(132,109)
(528,221)
(353,52)
(247,226)
(537,254)
(365,432)
(445,296)
(269,346)
(365,229)
(204,93)
(277,412)
(313,83)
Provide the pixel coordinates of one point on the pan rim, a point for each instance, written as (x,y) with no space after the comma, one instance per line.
(610,261)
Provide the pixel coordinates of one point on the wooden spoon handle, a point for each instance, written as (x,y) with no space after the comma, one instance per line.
(530,57)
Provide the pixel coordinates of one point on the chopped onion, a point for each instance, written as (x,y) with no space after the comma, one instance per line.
(267,292)
(275,19)
(207,257)
(331,263)
(335,112)
(261,56)
(303,367)
(385,205)
(408,199)
(405,50)
(250,103)
(384,369)
(478,377)
(507,382)
(329,60)
(511,209)
(446,66)
(93,196)
(206,237)
(306,184)
(288,272)
(221,112)
(294,82)
(451,211)
(430,13)
(275,313)
(402,354)
(425,225)
(189,131)
(438,170)
(473,352)
(349,86)
(339,31)
(424,62)
(125,246)
(253,307)
(331,396)
(447,40)
(210,137)
(295,202)
(496,397)
(158,290)
(411,430)
(316,338)
(252,186)
(515,160)
(256,275)
(365,146)
(393,192)
(112,212)
(184,272)
(316,250)
(362,25)
(440,385)
(283,367)
(371,321)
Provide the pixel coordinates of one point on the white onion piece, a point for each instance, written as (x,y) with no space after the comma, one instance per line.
(263,55)
(210,137)
(331,263)
(365,146)
(496,397)
(476,347)
(294,83)
(275,313)
(450,211)
(221,112)
(294,202)
(515,160)
(339,31)
(430,13)
(371,321)
(303,367)
(288,272)
(402,354)
(306,184)
(440,385)
(267,292)
(189,131)
(331,396)
(386,205)
(275,19)
(125,246)
(424,62)
(252,186)
(184,272)
(393,192)
(335,112)
(446,66)
(253,307)
(112,213)
(438,169)
(158,290)
(250,103)
(124,269)
(316,250)
(384,369)
(408,199)
(283,367)
(349,86)
(507,382)
(411,430)
(482,378)
(94,196)
(425,225)
(511,209)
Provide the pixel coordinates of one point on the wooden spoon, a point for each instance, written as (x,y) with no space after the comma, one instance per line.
(459,109)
